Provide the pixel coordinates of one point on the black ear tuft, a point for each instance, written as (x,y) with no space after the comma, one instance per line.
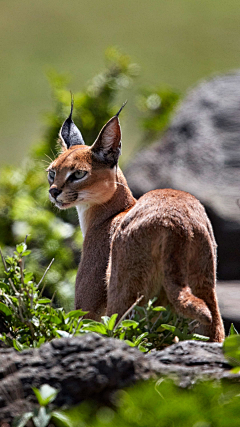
(69,133)
(121,108)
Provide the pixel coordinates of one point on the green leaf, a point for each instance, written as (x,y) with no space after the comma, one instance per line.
(41,341)
(170,328)
(105,320)
(45,394)
(140,338)
(4,286)
(159,308)
(10,260)
(128,324)
(63,418)
(112,322)
(235,370)
(43,301)
(14,299)
(76,313)
(122,335)
(24,419)
(21,247)
(198,337)
(233,330)
(55,319)
(6,310)
(63,334)
(26,253)
(28,277)
(151,302)
(130,343)
(95,327)
(231,349)
(18,346)
(42,419)
(142,349)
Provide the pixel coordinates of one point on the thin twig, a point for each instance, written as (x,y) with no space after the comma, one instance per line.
(128,311)
(3,260)
(20,309)
(153,326)
(22,260)
(43,278)
(25,240)
(21,271)
(29,323)
(52,299)
(31,298)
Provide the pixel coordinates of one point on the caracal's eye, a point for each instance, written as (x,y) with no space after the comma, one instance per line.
(51,175)
(78,175)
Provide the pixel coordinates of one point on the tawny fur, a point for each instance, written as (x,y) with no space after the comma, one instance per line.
(161,245)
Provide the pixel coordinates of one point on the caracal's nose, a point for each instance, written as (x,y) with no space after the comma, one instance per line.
(54,192)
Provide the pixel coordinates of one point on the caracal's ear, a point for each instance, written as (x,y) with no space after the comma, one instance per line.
(108,143)
(69,133)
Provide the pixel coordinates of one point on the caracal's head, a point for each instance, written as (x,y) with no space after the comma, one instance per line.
(81,174)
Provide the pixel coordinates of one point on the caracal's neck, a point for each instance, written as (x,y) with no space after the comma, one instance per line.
(96,215)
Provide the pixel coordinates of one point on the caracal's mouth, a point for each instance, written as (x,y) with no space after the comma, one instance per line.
(62,205)
(65,205)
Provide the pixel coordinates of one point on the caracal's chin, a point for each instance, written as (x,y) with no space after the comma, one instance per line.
(63,205)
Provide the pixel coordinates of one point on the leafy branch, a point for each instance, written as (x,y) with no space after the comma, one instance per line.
(30,319)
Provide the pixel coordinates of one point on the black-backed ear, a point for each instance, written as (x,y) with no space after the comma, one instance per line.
(108,143)
(69,133)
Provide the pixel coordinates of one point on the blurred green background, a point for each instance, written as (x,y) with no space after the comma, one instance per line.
(176,42)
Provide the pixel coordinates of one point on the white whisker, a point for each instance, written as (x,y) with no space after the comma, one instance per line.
(54,155)
(119,183)
(48,157)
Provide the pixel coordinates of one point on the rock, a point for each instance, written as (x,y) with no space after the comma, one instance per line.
(200,153)
(82,367)
(189,361)
(94,367)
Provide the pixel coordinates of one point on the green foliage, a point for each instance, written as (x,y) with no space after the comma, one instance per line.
(164,404)
(41,417)
(156,106)
(153,404)
(28,319)
(233,330)
(231,349)
(45,395)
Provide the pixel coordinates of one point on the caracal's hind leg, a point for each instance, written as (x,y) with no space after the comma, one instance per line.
(202,277)
(191,293)
(215,331)
(176,253)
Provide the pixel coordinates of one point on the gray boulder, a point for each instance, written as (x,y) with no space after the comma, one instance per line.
(200,153)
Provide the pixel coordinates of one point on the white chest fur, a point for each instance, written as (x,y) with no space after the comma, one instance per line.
(82,216)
